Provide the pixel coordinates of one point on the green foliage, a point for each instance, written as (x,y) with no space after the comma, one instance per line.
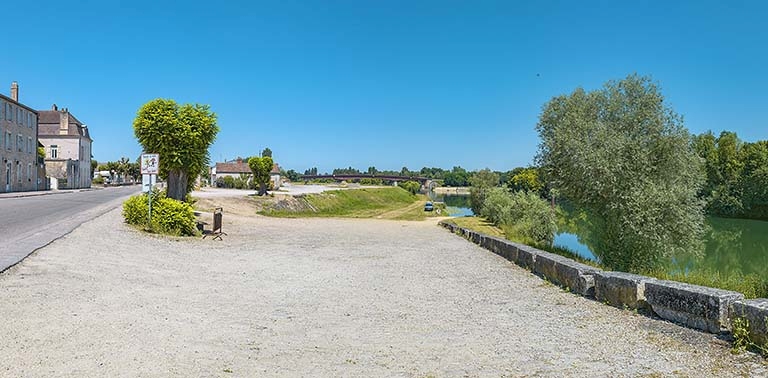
(522,215)
(751,285)
(737,175)
(98,180)
(527,179)
(481,182)
(169,216)
(623,155)
(412,187)
(458,176)
(181,134)
(172,217)
(261,167)
(266,153)
(371,181)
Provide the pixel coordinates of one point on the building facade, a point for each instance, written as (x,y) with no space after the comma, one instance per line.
(67,145)
(239,168)
(18,145)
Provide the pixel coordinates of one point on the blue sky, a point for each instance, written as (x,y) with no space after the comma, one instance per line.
(384,83)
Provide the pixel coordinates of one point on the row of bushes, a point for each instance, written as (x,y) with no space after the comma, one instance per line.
(169,216)
(522,215)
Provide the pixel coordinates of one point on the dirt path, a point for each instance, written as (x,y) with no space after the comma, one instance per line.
(320,298)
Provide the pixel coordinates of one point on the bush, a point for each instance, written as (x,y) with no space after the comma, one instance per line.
(411,186)
(169,216)
(371,181)
(173,217)
(523,214)
(98,180)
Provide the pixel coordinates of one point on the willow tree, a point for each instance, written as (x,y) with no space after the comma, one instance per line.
(181,134)
(621,154)
(261,167)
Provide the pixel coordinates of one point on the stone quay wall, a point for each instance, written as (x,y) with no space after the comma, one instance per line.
(704,308)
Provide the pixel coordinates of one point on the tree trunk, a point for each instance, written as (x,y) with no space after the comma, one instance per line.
(262,189)
(177,185)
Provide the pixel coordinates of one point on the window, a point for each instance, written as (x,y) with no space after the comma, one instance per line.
(9,112)
(18,171)
(29,171)
(2,109)
(54,151)
(29,145)
(8,141)
(20,143)
(18,116)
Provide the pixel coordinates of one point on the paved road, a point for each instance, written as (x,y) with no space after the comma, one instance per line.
(30,222)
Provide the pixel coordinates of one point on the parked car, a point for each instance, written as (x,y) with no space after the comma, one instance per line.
(429,206)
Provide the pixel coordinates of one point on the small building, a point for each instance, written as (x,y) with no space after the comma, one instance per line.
(18,144)
(238,168)
(67,144)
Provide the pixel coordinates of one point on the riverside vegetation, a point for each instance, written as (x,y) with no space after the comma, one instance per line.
(623,157)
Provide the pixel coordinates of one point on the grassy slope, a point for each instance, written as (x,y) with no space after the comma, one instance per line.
(383,203)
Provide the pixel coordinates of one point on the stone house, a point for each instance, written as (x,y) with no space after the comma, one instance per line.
(18,145)
(67,144)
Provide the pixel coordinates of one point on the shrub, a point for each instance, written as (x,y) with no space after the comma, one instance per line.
(411,186)
(371,181)
(169,216)
(523,214)
(98,180)
(173,217)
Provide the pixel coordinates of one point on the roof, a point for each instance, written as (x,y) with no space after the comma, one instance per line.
(240,166)
(237,166)
(8,99)
(48,122)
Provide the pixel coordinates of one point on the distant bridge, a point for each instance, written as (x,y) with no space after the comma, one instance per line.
(426,182)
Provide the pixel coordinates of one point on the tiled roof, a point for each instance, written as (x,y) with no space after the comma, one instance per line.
(49,120)
(240,166)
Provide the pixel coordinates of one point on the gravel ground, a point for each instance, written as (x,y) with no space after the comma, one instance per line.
(320,298)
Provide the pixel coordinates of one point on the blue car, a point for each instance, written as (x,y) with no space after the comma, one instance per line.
(429,206)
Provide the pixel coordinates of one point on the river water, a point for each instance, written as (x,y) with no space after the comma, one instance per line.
(731,245)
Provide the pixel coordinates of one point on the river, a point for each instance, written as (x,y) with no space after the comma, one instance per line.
(731,245)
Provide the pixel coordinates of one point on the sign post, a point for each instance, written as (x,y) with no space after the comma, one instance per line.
(150,166)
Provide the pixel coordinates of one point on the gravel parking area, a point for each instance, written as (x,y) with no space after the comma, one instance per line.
(320,298)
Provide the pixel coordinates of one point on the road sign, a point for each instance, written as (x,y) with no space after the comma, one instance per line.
(147,182)
(150,164)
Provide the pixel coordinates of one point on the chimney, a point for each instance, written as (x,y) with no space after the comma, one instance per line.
(64,122)
(54,107)
(15,91)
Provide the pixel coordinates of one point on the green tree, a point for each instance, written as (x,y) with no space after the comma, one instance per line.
(411,186)
(266,152)
(625,157)
(181,134)
(527,180)
(261,167)
(481,181)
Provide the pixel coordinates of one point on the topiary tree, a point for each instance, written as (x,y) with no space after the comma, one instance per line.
(261,167)
(181,134)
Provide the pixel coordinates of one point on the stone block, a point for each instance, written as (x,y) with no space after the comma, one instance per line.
(526,256)
(697,307)
(756,311)
(563,271)
(622,290)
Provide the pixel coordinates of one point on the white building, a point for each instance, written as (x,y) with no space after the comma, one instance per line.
(67,145)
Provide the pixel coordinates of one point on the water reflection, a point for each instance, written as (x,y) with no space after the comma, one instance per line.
(456,205)
(731,246)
